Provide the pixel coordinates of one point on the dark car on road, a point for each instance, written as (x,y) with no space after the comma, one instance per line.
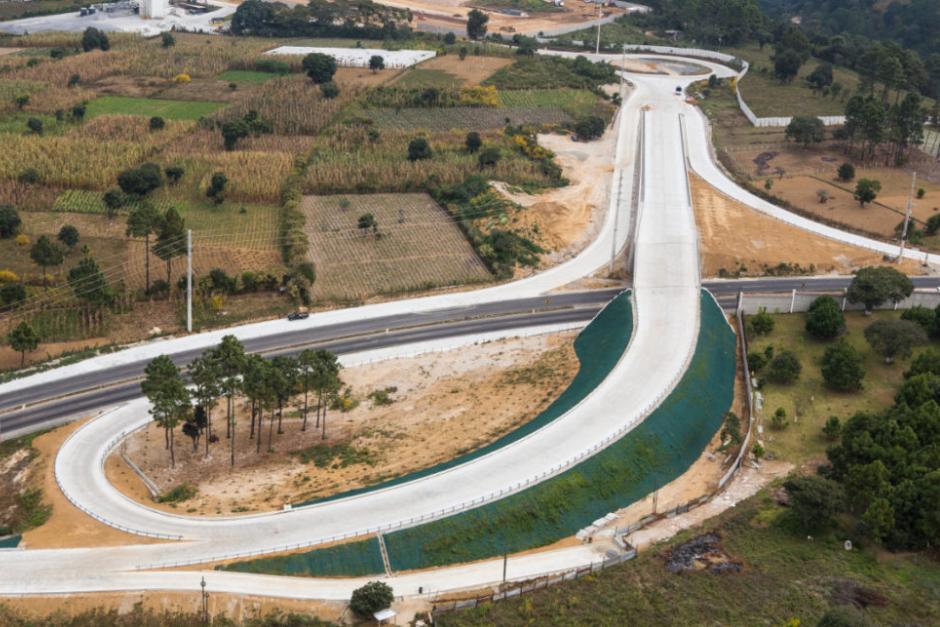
(298,315)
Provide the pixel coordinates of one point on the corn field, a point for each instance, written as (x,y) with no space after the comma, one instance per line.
(68,161)
(347,160)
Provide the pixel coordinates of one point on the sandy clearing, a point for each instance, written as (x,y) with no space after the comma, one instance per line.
(569,218)
(68,526)
(734,235)
(473,397)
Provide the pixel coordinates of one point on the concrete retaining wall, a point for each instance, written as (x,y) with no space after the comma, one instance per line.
(800,301)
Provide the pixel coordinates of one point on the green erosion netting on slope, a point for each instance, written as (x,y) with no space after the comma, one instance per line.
(355,559)
(650,456)
(657,451)
(10,542)
(599,346)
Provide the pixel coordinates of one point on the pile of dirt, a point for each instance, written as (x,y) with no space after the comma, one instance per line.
(701,553)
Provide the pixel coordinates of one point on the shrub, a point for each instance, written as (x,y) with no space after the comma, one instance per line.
(894,338)
(68,235)
(762,323)
(924,316)
(31,176)
(825,320)
(12,293)
(473,143)
(182,78)
(778,421)
(489,157)
(157,123)
(370,598)
(9,221)
(419,148)
(173,174)
(756,361)
(34,125)
(182,492)
(784,368)
(8,276)
(216,189)
(141,180)
(590,127)
(329,90)
(813,500)
(319,67)
(842,368)
(832,429)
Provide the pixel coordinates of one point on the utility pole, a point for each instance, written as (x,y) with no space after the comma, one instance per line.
(189,283)
(205,602)
(505,564)
(907,217)
(597,50)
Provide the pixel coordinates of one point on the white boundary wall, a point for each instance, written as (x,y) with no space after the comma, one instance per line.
(828,120)
(800,301)
(359,57)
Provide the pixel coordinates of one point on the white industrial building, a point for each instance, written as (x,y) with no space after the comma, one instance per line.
(152,9)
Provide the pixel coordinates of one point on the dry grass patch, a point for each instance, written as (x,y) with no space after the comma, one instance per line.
(425,250)
(471,71)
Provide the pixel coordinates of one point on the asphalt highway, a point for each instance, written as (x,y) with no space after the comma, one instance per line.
(104,388)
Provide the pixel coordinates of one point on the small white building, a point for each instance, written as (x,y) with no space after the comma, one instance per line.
(154,9)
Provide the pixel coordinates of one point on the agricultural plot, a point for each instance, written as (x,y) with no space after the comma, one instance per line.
(575,102)
(246,76)
(356,57)
(169,109)
(467,118)
(416,246)
(68,161)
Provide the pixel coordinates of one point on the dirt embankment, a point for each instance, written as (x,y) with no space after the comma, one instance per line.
(568,218)
(442,405)
(737,240)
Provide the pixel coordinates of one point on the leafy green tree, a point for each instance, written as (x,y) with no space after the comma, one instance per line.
(171,238)
(21,101)
(12,294)
(873,286)
(590,127)
(319,67)
(787,64)
(418,149)
(167,40)
(230,356)
(825,320)
(169,399)
(832,429)
(924,316)
(157,123)
(473,142)
(370,598)
(206,375)
(846,172)
(68,235)
(327,383)
(285,386)
(927,362)
(762,323)
(821,77)
(9,221)
(254,387)
(234,131)
(143,221)
(45,253)
(376,62)
(866,190)
(842,367)
(216,189)
(140,181)
(89,283)
(779,420)
(894,338)
(805,130)
(93,39)
(814,500)
(23,339)
(784,368)
(367,222)
(476,24)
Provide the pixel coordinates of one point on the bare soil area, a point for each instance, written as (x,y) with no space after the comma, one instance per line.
(68,526)
(443,405)
(741,241)
(471,71)
(798,174)
(568,218)
(236,607)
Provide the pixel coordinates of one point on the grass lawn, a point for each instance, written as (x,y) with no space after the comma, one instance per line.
(808,402)
(169,109)
(575,102)
(246,76)
(785,576)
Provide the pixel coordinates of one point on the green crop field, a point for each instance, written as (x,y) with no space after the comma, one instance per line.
(246,76)
(466,118)
(169,109)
